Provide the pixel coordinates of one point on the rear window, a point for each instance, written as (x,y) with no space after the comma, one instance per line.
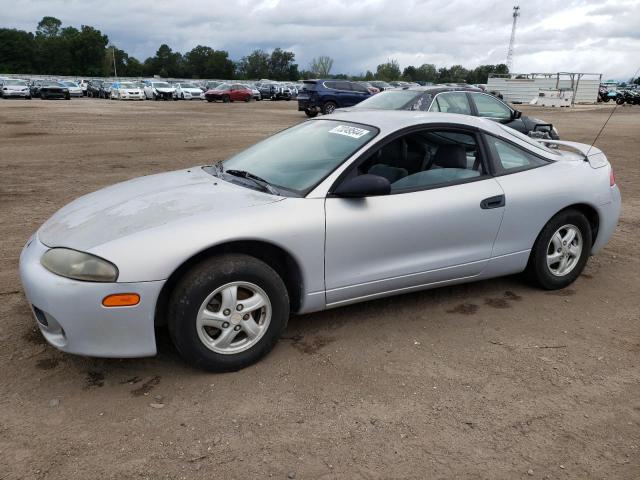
(309,86)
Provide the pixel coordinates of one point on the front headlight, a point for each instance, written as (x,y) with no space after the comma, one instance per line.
(79,265)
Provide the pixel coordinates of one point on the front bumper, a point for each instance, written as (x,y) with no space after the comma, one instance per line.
(71,317)
(16,93)
(131,96)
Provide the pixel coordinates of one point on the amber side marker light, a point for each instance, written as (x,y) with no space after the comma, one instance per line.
(121,300)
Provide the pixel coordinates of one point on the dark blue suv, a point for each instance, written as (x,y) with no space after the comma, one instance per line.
(326,95)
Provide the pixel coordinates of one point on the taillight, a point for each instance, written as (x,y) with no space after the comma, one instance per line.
(612,178)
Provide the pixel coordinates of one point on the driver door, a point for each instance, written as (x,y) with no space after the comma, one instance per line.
(438,224)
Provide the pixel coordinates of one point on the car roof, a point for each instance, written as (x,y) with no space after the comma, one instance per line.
(389,121)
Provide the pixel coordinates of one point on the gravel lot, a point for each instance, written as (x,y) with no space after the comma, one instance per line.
(489,380)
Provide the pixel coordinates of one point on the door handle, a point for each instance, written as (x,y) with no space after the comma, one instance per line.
(492,202)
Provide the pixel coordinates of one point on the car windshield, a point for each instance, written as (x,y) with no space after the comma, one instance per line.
(527,139)
(188,85)
(298,158)
(222,86)
(69,84)
(127,85)
(20,83)
(161,85)
(390,100)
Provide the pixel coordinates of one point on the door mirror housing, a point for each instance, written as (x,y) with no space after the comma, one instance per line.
(516,114)
(366,185)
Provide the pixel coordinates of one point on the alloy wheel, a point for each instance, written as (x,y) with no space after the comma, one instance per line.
(234,317)
(564,250)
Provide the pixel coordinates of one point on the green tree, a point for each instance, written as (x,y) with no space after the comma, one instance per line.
(410,73)
(281,66)
(49,27)
(205,62)
(388,71)
(427,72)
(165,63)
(17,51)
(254,66)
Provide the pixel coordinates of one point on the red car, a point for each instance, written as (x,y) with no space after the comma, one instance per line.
(228,93)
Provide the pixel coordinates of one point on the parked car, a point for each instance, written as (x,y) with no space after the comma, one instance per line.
(49,89)
(373,90)
(105,90)
(380,85)
(327,95)
(34,87)
(14,88)
(228,92)
(74,88)
(93,88)
(158,90)
(187,91)
(126,91)
(255,93)
(223,254)
(464,100)
(267,89)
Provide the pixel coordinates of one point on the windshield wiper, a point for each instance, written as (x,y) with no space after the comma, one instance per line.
(261,182)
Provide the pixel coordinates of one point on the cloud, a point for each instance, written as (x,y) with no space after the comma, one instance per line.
(553,35)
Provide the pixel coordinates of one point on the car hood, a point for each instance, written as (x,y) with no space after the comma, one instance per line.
(164,89)
(19,88)
(144,203)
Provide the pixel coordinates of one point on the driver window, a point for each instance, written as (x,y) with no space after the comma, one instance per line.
(451,102)
(426,159)
(491,107)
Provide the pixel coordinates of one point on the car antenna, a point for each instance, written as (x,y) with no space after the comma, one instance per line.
(635,75)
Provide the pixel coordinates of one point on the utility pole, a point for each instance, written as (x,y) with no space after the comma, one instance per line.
(115,72)
(516,14)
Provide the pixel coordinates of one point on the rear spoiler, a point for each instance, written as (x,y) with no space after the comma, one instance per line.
(591,154)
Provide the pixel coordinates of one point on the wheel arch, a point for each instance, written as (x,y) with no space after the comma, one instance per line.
(589,211)
(592,215)
(273,255)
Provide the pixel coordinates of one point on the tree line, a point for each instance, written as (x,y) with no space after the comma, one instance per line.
(55,49)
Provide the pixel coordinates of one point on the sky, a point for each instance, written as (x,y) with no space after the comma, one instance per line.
(600,36)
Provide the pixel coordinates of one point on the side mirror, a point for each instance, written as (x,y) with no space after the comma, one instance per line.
(516,114)
(366,185)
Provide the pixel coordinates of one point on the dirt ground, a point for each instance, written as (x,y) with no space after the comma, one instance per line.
(491,380)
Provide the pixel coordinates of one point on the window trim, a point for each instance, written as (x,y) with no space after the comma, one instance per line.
(497,168)
(475,132)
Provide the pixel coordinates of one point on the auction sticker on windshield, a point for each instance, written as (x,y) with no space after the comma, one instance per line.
(348,131)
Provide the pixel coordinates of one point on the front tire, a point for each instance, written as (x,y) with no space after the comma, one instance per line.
(311,113)
(228,312)
(561,251)
(226,99)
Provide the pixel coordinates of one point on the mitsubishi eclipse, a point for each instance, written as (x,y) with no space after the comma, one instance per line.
(337,210)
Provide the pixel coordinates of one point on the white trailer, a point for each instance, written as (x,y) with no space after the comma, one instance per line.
(524,87)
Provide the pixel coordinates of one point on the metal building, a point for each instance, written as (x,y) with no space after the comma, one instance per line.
(523,87)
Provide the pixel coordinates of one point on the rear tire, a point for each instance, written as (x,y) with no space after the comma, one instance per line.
(561,251)
(195,298)
(329,107)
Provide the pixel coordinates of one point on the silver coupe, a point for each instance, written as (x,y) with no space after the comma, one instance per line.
(333,211)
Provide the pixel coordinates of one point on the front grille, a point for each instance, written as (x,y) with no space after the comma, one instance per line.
(40,316)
